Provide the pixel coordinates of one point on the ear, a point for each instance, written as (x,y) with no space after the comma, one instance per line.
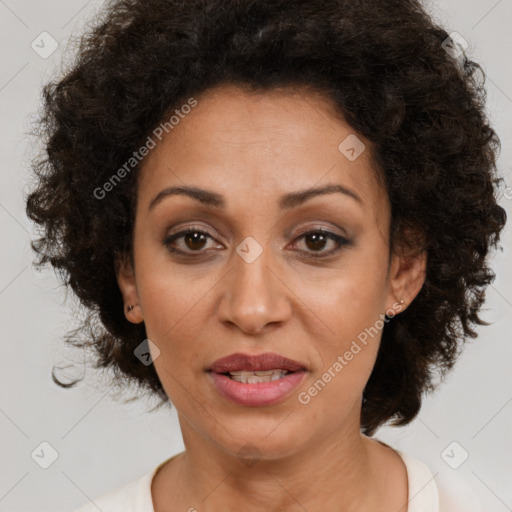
(406,277)
(126,280)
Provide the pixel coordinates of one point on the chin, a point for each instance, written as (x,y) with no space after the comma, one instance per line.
(265,439)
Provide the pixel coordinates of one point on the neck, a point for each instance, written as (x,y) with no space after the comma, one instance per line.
(335,474)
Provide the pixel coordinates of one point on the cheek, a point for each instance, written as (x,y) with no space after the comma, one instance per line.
(346,356)
(350,299)
(352,304)
(174,310)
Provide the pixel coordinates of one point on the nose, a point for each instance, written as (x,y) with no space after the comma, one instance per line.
(254,295)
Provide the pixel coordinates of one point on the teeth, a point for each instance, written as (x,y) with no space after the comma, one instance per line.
(256,377)
(259,373)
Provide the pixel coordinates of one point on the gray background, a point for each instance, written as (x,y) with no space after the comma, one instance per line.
(102,443)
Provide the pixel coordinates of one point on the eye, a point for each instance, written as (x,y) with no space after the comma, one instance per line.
(316,240)
(192,241)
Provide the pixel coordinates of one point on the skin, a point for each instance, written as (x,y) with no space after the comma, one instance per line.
(252,148)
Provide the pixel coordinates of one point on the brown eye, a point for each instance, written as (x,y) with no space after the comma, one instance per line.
(194,240)
(317,240)
(191,241)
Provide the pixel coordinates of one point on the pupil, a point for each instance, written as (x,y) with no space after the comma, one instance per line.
(317,241)
(196,240)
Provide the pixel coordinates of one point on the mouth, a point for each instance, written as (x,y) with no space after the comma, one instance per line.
(238,364)
(263,379)
(255,377)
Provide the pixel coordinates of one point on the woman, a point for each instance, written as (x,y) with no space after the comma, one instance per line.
(279,216)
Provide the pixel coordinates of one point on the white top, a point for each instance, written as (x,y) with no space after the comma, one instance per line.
(135,496)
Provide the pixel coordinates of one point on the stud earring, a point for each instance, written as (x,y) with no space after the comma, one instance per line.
(130,307)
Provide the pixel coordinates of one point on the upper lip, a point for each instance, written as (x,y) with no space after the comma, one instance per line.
(246,362)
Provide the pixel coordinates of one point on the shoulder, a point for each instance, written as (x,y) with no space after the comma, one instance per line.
(134,496)
(457,493)
(423,491)
(438,487)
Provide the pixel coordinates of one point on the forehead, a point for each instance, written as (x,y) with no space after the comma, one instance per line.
(262,144)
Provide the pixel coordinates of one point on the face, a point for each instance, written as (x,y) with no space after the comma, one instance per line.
(259,263)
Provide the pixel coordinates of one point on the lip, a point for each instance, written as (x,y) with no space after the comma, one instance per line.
(262,393)
(246,362)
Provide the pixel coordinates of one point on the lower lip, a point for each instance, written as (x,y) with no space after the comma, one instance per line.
(262,393)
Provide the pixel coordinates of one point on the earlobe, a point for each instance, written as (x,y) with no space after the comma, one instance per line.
(127,285)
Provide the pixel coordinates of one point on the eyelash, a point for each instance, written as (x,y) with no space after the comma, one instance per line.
(340,240)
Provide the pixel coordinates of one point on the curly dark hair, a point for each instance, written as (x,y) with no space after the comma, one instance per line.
(386,69)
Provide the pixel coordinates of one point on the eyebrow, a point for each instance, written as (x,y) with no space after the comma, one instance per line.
(287,201)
